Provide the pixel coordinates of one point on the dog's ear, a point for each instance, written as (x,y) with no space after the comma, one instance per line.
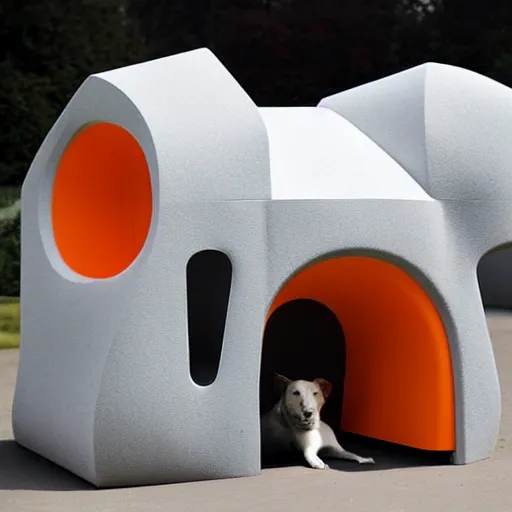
(281,382)
(325,386)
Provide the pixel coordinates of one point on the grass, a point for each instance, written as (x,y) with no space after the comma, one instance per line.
(9,322)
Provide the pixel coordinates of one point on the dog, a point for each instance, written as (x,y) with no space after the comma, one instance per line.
(294,424)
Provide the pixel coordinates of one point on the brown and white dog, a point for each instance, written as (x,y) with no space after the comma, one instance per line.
(294,424)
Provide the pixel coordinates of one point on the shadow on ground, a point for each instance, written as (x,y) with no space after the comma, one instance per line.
(21,469)
(386,455)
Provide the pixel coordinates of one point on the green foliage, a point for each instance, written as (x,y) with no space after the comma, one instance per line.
(294,52)
(283,52)
(10,255)
(9,322)
(8,196)
(46,50)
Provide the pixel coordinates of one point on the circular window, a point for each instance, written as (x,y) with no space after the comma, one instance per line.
(101,201)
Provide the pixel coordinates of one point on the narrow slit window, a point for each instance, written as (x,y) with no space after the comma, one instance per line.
(209,275)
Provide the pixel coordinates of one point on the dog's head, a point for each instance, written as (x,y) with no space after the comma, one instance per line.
(304,400)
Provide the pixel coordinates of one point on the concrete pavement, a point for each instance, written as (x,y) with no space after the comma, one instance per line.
(400,481)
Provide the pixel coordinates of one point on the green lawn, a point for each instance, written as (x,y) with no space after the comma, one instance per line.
(9,322)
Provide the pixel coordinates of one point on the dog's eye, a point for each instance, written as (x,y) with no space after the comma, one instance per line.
(296,392)
(315,393)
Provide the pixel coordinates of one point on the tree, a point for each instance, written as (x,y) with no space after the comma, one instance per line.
(46,50)
(174,26)
(10,255)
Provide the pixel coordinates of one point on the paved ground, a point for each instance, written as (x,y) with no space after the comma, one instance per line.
(399,482)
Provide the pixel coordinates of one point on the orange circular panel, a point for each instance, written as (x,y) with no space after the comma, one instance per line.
(101,201)
(398,380)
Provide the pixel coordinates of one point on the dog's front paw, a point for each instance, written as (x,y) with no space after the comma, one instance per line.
(317,463)
(314,460)
(320,465)
(367,460)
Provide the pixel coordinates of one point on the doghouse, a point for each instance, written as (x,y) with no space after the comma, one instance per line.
(167,222)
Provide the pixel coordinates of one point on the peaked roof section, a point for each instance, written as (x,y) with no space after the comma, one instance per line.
(448,127)
(317,154)
(206,129)
(433,131)
(201,134)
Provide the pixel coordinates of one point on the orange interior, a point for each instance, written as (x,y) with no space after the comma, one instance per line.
(101,201)
(398,381)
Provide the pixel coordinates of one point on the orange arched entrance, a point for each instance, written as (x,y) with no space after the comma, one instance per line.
(398,381)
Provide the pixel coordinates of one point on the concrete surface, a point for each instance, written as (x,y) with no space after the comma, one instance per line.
(400,481)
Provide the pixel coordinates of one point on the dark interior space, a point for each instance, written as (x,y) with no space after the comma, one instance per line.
(304,340)
(494,273)
(209,274)
(387,456)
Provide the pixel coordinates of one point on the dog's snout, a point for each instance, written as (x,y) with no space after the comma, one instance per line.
(308,414)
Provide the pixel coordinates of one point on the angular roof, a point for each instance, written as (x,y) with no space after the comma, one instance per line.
(433,131)
(317,154)
(448,126)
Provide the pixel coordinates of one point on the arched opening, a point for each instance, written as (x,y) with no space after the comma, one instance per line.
(209,274)
(494,273)
(398,384)
(303,339)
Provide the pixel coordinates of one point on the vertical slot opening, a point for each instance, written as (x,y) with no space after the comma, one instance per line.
(494,273)
(209,275)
